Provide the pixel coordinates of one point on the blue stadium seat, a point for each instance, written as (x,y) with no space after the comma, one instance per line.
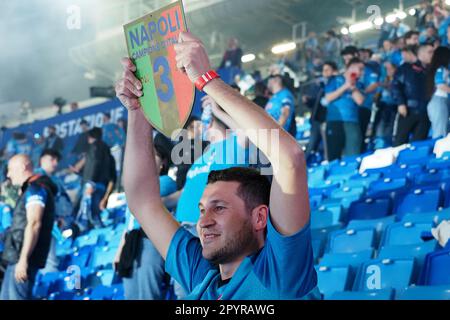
(332,279)
(353,260)
(343,168)
(382,294)
(416,251)
(79,258)
(362,180)
(86,240)
(347,192)
(64,247)
(325,188)
(432,177)
(439,163)
(351,240)
(316,175)
(378,224)
(317,246)
(435,217)
(414,155)
(44,283)
(419,200)
(384,274)
(322,233)
(386,186)
(436,268)
(403,171)
(404,233)
(102,257)
(61,296)
(425,293)
(100,293)
(323,218)
(369,208)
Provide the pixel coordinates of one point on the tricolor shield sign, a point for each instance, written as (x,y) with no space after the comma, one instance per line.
(168,94)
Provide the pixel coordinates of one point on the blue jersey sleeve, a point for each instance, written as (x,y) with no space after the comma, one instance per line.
(184,261)
(286,263)
(331,86)
(35,195)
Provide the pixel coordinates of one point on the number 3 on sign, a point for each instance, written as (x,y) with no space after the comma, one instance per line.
(161,62)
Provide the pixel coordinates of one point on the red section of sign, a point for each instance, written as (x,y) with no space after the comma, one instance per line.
(181,82)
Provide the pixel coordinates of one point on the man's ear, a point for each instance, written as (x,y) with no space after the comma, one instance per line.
(260,215)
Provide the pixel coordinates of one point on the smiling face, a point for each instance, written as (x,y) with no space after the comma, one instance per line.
(227,230)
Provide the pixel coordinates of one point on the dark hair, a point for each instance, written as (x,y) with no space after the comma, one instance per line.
(260,88)
(236,87)
(52,153)
(411,33)
(333,65)
(354,61)
(95,133)
(412,49)
(350,50)
(331,33)
(441,58)
(84,122)
(254,188)
(107,114)
(163,147)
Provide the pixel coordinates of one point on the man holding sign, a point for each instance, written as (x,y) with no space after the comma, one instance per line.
(255,239)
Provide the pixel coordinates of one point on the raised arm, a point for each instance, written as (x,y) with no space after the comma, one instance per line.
(141,180)
(289,203)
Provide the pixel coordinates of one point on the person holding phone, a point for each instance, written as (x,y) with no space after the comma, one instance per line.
(343,96)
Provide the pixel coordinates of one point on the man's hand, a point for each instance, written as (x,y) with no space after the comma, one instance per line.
(403,110)
(21,271)
(129,88)
(191,56)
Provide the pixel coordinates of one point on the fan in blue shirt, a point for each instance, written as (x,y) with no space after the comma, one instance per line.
(281,105)
(254,235)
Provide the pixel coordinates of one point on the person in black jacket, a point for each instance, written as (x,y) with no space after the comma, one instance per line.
(409,93)
(97,175)
(27,242)
(53,141)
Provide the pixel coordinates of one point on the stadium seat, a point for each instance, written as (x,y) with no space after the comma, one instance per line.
(383,294)
(325,188)
(332,279)
(416,251)
(86,240)
(425,293)
(436,268)
(61,296)
(414,155)
(432,177)
(323,219)
(378,224)
(384,274)
(317,246)
(419,200)
(351,240)
(362,180)
(404,233)
(353,260)
(369,208)
(79,258)
(100,293)
(44,283)
(342,170)
(439,163)
(102,257)
(316,175)
(386,186)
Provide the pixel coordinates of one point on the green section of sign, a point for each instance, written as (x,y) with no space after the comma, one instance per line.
(149,100)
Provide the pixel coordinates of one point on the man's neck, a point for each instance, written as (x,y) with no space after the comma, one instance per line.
(276,90)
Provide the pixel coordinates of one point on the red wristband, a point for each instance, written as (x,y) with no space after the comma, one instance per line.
(205,78)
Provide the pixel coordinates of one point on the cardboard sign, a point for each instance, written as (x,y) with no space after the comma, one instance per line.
(168,94)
